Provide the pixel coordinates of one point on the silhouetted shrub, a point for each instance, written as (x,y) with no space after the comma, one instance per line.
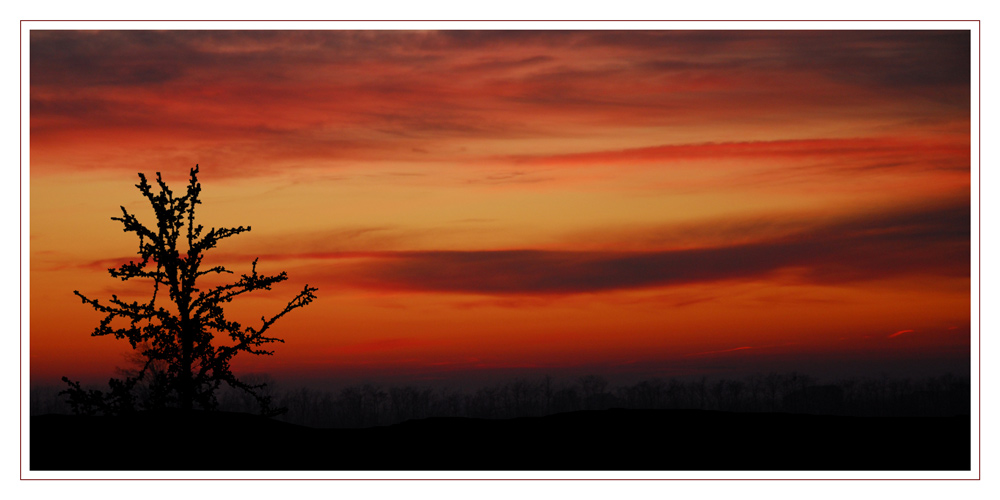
(181,365)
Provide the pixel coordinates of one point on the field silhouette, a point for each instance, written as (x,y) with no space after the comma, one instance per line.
(785,422)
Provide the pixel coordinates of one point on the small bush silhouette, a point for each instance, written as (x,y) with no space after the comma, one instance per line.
(184,365)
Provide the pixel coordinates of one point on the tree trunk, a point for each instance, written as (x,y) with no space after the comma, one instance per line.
(185,381)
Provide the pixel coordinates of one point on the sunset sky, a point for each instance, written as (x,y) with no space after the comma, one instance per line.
(477,204)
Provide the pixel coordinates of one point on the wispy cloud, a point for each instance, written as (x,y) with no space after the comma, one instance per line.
(869,149)
(723,351)
(384,345)
(928,241)
(255,98)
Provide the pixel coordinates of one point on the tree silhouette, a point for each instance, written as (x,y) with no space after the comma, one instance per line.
(178,333)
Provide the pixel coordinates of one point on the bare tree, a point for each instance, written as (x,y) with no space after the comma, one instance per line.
(182,335)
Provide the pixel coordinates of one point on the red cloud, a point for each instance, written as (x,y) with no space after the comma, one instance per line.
(897,149)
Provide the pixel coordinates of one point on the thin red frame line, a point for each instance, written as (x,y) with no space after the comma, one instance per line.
(980,231)
(20,242)
(980,256)
(503,479)
(500,20)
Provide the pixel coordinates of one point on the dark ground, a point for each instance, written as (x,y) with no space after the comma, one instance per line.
(584,440)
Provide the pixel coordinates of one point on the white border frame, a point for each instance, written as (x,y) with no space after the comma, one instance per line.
(27,26)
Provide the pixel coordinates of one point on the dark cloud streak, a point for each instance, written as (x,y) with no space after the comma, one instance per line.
(932,241)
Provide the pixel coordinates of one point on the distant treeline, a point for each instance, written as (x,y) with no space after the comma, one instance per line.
(373,405)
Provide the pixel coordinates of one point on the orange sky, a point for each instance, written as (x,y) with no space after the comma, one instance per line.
(501,202)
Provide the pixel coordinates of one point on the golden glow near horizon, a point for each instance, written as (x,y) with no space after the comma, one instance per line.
(534,200)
